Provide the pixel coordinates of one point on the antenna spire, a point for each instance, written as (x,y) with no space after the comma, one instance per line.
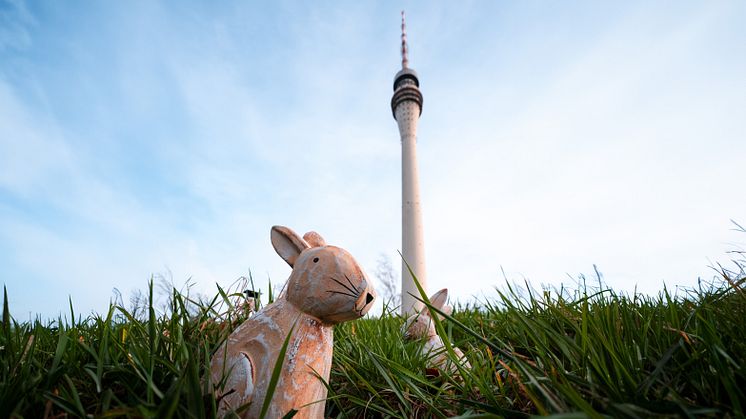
(404,58)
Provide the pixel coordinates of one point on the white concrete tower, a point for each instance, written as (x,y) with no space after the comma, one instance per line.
(406,105)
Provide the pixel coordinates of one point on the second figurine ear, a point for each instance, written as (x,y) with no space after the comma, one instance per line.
(438,300)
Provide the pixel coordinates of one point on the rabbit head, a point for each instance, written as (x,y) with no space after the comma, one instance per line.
(420,325)
(326,282)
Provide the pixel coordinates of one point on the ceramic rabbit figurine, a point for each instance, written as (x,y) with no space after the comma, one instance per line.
(326,287)
(421,326)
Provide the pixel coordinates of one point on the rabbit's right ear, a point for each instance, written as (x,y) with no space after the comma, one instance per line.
(314,239)
(287,244)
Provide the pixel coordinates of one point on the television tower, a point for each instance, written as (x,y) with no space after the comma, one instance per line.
(406,105)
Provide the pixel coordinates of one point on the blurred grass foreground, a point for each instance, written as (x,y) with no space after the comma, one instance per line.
(585,353)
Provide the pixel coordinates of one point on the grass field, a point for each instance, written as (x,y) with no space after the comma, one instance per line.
(587,353)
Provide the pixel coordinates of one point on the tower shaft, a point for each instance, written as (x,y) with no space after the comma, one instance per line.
(413,244)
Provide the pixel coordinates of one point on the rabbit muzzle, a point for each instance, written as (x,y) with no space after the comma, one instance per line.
(365,301)
(352,308)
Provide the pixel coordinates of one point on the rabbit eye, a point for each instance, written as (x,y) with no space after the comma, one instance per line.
(315,260)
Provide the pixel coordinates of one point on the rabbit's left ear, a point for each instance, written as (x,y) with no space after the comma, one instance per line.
(288,244)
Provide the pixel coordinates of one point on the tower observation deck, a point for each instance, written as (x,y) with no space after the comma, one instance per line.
(406,106)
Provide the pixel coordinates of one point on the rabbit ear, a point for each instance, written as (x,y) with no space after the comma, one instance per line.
(438,300)
(287,244)
(314,239)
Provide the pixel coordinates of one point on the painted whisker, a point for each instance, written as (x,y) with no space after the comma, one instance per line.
(341,293)
(353,291)
(353,285)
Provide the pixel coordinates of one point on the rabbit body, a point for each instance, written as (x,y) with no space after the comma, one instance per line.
(251,353)
(326,287)
(436,350)
(420,326)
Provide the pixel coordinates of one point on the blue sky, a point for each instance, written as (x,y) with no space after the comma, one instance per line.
(149,138)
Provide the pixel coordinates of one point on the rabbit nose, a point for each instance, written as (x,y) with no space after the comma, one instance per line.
(365,300)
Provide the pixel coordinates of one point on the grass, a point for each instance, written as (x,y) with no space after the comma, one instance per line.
(588,353)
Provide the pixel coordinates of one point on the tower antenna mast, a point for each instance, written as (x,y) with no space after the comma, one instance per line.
(404,58)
